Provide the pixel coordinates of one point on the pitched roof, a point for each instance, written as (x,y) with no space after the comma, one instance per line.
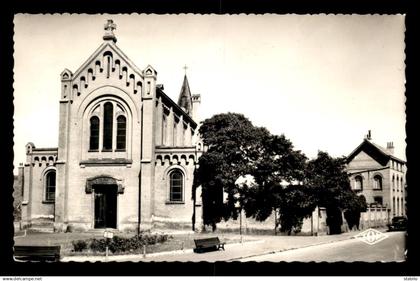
(177,109)
(377,152)
(112,46)
(185,100)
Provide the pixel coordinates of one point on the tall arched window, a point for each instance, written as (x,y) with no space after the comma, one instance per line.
(174,134)
(393,182)
(164,129)
(108,120)
(108,125)
(121,132)
(50,186)
(393,206)
(94,133)
(176,186)
(377,182)
(358,183)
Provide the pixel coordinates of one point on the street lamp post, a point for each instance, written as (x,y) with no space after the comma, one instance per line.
(240,222)
(317,221)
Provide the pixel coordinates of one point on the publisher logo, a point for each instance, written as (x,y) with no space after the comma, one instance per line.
(371,236)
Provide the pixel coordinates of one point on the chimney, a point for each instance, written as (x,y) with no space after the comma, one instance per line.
(196,101)
(390,147)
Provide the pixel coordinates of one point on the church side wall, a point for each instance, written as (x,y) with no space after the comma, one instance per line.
(41,210)
(169,214)
(36,210)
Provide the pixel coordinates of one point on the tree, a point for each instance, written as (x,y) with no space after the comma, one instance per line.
(296,203)
(328,178)
(233,146)
(354,205)
(278,172)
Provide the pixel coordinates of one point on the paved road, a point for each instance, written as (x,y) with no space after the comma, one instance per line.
(388,250)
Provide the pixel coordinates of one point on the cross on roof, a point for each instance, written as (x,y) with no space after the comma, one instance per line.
(185,69)
(109,34)
(110,26)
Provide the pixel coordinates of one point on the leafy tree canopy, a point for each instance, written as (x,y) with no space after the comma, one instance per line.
(236,148)
(328,178)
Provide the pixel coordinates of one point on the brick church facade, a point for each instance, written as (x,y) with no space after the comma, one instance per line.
(126,152)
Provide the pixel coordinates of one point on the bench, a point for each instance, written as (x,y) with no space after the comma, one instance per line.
(204,244)
(37,253)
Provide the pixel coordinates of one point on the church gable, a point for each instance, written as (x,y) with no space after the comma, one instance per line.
(107,66)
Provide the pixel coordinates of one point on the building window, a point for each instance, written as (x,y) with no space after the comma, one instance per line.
(164,129)
(378,200)
(393,206)
(358,183)
(121,132)
(108,127)
(393,182)
(377,182)
(94,133)
(50,186)
(401,184)
(176,186)
(108,120)
(174,135)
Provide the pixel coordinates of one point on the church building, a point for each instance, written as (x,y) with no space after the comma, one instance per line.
(126,152)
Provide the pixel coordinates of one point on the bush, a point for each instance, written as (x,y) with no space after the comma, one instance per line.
(119,244)
(98,245)
(79,245)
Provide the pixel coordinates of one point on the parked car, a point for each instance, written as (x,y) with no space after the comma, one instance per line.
(398,224)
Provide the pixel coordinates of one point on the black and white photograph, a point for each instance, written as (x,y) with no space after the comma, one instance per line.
(215,138)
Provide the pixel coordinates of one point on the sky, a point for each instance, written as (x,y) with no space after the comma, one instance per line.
(321,80)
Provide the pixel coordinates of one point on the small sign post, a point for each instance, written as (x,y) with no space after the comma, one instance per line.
(108,235)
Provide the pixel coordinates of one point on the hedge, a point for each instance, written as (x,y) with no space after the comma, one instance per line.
(119,244)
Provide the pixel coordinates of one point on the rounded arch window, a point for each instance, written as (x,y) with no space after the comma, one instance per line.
(108,122)
(94,133)
(358,183)
(176,186)
(121,132)
(377,182)
(50,184)
(108,126)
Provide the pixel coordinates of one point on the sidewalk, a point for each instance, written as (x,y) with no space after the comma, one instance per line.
(259,246)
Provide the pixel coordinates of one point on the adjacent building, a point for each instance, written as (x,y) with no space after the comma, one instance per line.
(378,175)
(126,152)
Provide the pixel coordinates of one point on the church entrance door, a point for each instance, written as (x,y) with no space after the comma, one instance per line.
(105,206)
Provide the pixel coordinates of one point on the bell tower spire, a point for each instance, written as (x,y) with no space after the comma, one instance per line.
(185,99)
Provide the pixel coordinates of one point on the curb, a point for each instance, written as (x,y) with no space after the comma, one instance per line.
(290,249)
